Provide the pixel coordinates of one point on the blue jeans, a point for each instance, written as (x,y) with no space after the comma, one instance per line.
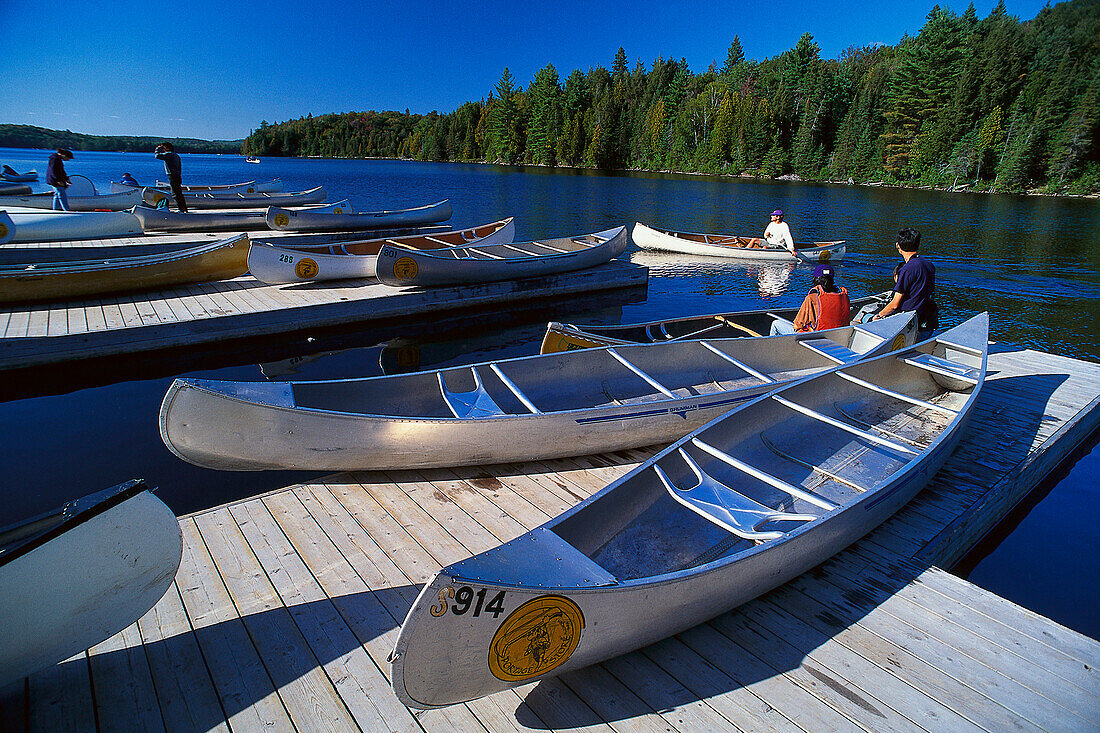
(60,199)
(781,326)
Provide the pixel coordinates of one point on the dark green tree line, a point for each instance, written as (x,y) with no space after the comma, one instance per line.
(991,103)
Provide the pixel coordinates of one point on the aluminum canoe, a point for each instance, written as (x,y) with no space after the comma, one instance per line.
(455,266)
(528,408)
(74,577)
(729,245)
(41,281)
(739,506)
(306,220)
(95,202)
(210,220)
(567,336)
(202,200)
(275,185)
(277,265)
(31,175)
(57,226)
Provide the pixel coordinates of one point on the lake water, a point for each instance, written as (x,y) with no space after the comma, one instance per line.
(1032,262)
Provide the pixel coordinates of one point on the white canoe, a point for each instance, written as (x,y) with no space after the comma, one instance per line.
(455,266)
(98,202)
(74,577)
(277,265)
(275,185)
(7,227)
(728,512)
(288,220)
(154,196)
(31,175)
(728,245)
(59,226)
(523,409)
(209,220)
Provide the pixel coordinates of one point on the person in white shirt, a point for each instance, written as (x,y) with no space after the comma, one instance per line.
(778,234)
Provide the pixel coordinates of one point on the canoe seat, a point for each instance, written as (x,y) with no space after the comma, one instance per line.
(729,509)
(943,366)
(473,405)
(830,349)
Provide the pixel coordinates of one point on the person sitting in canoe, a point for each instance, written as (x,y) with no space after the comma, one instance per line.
(129,180)
(777,235)
(825,306)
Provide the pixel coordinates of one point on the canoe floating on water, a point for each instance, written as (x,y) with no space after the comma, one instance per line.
(732,510)
(209,220)
(567,336)
(310,220)
(15,176)
(529,408)
(94,202)
(74,577)
(153,197)
(41,281)
(273,186)
(729,245)
(455,266)
(277,265)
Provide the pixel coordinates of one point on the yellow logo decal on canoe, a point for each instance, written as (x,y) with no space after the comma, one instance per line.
(337,210)
(157,198)
(536,638)
(405,268)
(3,230)
(306,269)
(898,342)
(281,219)
(250,190)
(824,256)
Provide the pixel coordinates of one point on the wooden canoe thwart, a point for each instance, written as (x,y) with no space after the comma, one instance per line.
(729,245)
(398,266)
(76,576)
(277,265)
(529,408)
(347,220)
(567,336)
(206,262)
(726,513)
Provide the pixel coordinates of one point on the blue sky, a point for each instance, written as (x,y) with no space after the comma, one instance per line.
(216,69)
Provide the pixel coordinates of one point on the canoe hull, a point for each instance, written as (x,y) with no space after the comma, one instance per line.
(261,426)
(209,220)
(288,220)
(58,226)
(153,197)
(474,630)
(276,265)
(86,585)
(101,202)
(399,267)
(216,261)
(655,239)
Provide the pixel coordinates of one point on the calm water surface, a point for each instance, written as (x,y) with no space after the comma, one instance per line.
(1032,262)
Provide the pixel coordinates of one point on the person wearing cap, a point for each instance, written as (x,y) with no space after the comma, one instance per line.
(825,306)
(174,170)
(777,234)
(129,180)
(914,285)
(58,178)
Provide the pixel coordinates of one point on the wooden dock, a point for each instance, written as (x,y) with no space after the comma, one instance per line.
(245,308)
(286,606)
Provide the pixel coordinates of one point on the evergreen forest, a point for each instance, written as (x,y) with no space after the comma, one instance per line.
(982,103)
(30,136)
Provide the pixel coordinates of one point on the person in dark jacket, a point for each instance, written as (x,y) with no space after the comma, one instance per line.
(174,169)
(58,178)
(914,285)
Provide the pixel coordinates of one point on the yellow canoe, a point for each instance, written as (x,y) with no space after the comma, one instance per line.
(208,262)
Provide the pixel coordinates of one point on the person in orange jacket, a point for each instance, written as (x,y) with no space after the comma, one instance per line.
(825,306)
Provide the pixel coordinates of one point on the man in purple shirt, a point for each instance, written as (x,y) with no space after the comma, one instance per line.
(916,284)
(58,178)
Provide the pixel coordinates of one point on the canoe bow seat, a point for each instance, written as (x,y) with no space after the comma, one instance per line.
(829,349)
(473,405)
(727,508)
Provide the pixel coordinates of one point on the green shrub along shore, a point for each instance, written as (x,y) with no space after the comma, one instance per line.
(991,104)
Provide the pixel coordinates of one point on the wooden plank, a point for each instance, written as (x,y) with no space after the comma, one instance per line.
(245,690)
(60,697)
(305,690)
(184,688)
(57,321)
(18,324)
(125,699)
(13,706)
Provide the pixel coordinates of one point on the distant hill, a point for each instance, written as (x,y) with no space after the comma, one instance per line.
(29,136)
